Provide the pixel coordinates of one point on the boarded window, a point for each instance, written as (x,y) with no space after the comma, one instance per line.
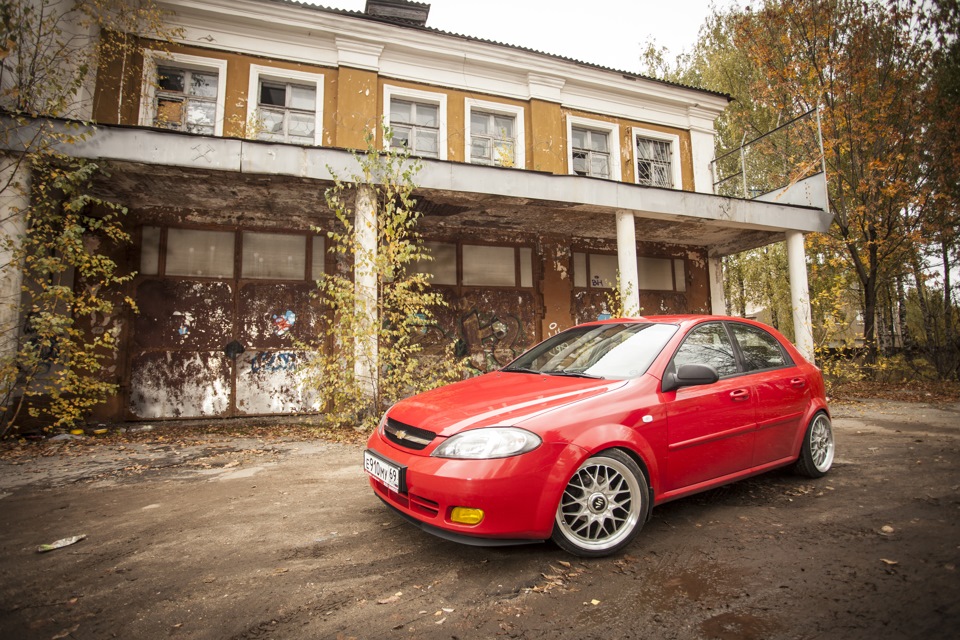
(489,266)
(443,267)
(319,255)
(150,251)
(526,267)
(274,256)
(191,252)
(655,274)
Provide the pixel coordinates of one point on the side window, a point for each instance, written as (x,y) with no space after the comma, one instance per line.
(760,349)
(183,92)
(708,344)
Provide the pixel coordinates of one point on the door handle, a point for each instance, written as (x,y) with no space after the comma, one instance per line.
(798,382)
(739,394)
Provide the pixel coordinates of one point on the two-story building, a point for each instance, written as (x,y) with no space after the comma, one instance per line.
(543,178)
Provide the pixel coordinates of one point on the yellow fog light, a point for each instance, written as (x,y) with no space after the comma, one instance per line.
(466,515)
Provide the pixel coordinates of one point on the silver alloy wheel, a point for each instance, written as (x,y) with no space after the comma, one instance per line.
(600,505)
(821,443)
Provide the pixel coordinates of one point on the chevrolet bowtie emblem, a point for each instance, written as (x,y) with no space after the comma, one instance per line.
(401,434)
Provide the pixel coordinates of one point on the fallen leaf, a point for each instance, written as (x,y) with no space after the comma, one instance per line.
(886,529)
(888,562)
(66,632)
(391,599)
(564,563)
(594,602)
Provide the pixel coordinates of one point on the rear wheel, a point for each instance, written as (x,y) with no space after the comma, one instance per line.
(816,454)
(603,506)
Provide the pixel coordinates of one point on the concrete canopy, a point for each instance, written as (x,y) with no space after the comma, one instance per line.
(233,181)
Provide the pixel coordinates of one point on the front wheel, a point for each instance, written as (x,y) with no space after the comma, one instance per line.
(603,506)
(816,454)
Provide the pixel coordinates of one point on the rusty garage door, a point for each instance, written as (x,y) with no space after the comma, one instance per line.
(220,314)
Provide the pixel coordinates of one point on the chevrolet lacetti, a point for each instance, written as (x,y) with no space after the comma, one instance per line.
(578,438)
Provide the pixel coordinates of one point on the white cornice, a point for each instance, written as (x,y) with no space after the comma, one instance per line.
(303,34)
(357,54)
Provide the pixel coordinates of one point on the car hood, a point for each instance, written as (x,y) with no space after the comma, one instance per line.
(495,399)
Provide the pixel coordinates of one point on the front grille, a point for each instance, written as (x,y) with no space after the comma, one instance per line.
(406,436)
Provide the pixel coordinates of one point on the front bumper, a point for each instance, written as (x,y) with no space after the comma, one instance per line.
(518,495)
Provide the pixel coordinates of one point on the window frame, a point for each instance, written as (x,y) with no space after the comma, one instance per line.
(675,168)
(160,269)
(259,73)
(734,348)
(612,129)
(423,97)
(153,60)
(676,278)
(518,257)
(495,108)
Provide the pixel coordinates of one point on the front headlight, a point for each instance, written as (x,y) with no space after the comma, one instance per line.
(483,444)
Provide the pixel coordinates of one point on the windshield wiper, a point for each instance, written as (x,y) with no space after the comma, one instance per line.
(572,374)
(520,370)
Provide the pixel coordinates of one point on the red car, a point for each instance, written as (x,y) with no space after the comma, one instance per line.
(578,438)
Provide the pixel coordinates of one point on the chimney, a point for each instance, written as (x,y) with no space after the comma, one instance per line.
(399,11)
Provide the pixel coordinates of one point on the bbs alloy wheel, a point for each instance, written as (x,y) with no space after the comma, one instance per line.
(603,506)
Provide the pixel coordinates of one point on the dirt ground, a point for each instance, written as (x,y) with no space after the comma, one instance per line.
(277,538)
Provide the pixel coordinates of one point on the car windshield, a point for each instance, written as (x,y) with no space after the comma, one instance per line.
(615,350)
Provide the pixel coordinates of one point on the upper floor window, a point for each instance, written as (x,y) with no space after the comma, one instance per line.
(594,148)
(183,92)
(657,158)
(417,120)
(494,134)
(286,106)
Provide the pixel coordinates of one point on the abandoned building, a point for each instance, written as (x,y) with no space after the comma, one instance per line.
(543,178)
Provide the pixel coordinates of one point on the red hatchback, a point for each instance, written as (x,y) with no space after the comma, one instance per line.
(578,438)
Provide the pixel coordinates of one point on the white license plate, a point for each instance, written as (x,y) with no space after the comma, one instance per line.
(389,473)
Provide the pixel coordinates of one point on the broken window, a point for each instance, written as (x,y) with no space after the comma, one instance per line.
(493,139)
(591,152)
(186,100)
(416,126)
(287,112)
(654,162)
(273,256)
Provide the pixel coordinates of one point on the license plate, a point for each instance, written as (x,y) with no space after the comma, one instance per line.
(387,472)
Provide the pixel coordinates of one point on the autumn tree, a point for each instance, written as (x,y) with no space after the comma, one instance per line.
(56,270)
(373,349)
(866,67)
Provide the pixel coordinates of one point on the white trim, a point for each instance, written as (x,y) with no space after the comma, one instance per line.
(520,146)
(672,138)
(149,90)
(416,95)
(258,71)
(611,128)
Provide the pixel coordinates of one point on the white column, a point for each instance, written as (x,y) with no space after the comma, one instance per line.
(365,285)
(718,299)
(627,262)
(800,294)
(14,201)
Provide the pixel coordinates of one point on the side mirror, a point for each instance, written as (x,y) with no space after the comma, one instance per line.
(689,375)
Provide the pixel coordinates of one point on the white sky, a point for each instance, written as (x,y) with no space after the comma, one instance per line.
(605,32)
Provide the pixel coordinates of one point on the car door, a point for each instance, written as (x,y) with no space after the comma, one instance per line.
(781,388)
(710,427)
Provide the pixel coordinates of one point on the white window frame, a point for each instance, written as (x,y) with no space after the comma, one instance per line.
(673,139)
(153,59)
(612,129)
(260,72)
(519,146)
(416,95)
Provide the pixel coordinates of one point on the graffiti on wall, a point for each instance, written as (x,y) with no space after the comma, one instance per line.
(273,361)
(284,322)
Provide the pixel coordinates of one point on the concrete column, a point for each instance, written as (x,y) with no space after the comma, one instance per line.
(718,301)
(14,201)
(800,294)
(627,262)
(365,285)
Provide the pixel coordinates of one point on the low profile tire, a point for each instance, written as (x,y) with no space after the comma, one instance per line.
(816,454)
(603,506)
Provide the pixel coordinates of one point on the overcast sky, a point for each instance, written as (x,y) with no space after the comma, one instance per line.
(605,32)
